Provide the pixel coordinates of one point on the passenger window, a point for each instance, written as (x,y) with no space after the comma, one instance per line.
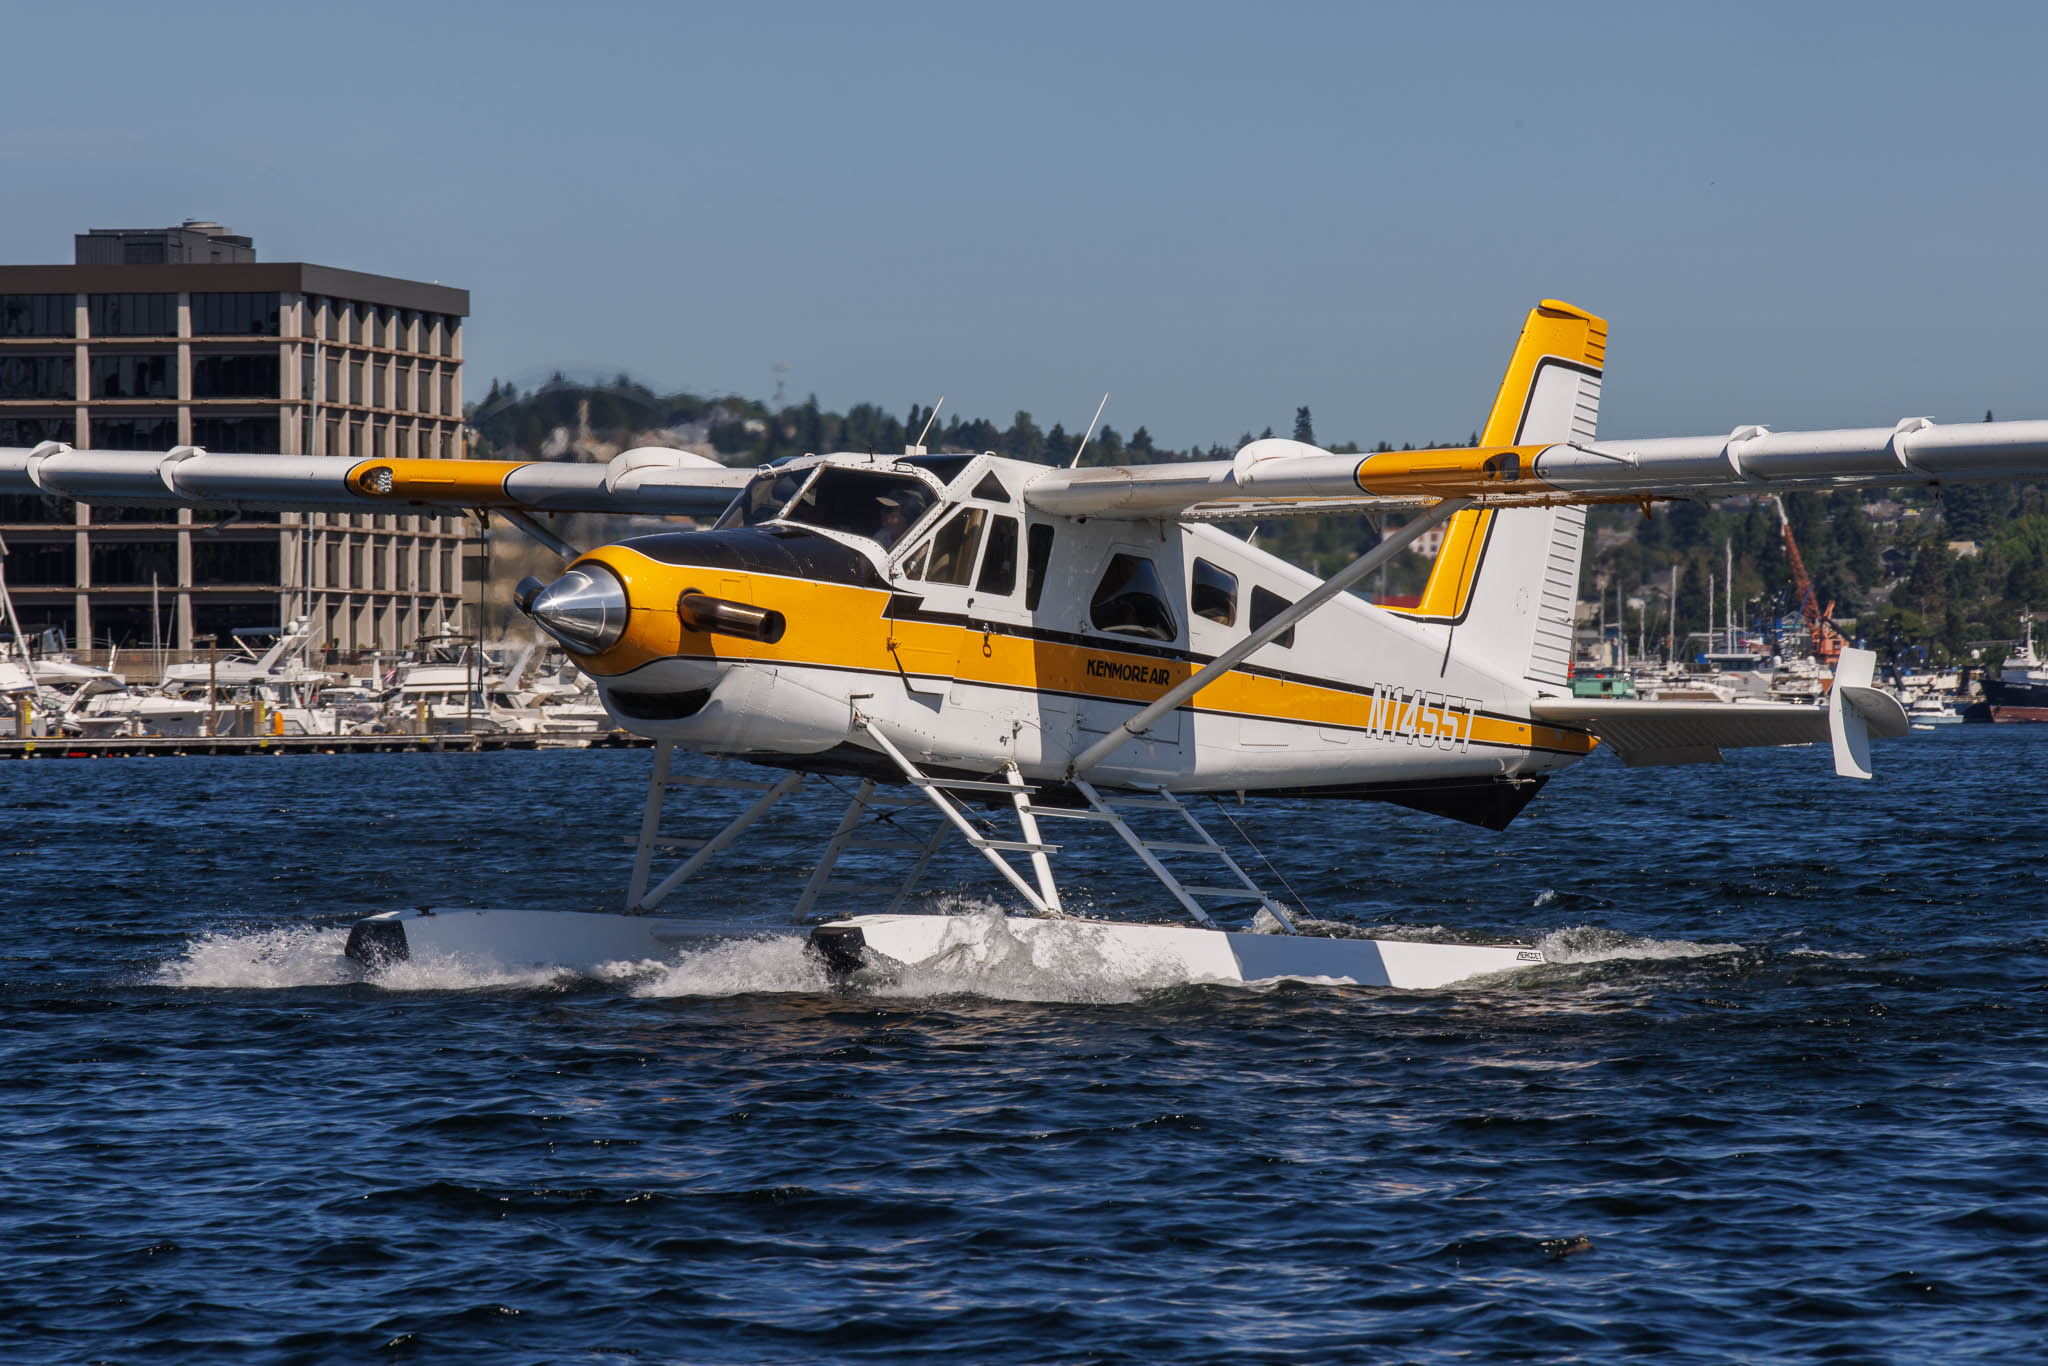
(1266,606)
(1130,600)
(913,568)
(953,548)
(1213,593)
(992,489)
(1034,572)
(999,563)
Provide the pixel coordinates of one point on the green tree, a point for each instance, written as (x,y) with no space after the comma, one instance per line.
(1304,426)
(1024,441)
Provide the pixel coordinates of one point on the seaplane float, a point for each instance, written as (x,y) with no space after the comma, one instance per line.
(1077,651)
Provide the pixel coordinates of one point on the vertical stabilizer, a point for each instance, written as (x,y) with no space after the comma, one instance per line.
(1505,581)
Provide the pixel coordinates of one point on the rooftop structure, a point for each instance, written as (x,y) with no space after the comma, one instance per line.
(195,242)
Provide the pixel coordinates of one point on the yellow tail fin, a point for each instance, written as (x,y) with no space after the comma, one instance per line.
(1551,392)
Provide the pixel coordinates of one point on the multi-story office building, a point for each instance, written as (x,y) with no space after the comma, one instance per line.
(178,336)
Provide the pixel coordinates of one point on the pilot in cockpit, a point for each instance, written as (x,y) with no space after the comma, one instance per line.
(892,522)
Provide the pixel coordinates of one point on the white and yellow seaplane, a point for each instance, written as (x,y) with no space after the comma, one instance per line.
(1084,649)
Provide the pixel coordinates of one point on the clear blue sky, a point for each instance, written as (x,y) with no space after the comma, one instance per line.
(1790,214)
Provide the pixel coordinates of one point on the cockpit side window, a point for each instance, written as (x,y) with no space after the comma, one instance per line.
(881,507)
(762,499)
(1040,559)
(999,562)
(1131,601)
(1212,593)
(953,548)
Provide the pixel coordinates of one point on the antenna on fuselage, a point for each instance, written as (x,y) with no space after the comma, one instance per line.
(930,418)
(1090,433)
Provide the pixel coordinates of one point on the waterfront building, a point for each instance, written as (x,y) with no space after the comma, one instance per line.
(159,338)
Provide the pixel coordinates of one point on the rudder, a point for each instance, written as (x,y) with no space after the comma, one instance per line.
(1505,580)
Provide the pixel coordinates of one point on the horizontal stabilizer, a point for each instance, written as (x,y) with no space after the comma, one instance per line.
(1646,733)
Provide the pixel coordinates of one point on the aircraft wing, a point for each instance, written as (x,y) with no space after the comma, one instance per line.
(647,480)
(1292,476)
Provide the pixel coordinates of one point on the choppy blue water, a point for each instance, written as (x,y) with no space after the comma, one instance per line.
(1792,1090)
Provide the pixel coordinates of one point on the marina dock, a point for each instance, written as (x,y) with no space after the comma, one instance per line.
(66,747)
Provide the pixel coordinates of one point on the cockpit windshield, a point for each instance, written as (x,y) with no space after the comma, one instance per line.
(881,507)
(763,499)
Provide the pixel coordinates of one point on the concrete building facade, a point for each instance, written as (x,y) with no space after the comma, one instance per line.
(230,355)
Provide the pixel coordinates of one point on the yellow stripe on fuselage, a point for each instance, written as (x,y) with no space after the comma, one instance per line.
(843,626)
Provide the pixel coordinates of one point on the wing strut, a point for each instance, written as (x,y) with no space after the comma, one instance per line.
(1329,588)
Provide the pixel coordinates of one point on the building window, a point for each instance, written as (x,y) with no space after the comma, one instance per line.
(145,376)
(355,381)
(37,315)
(34,430)
(52,564)
(134,431)
(129,564)
(217,561)
(235,376)
(239,434)
(33,509)
(234,315)
(37,376)
(132,315)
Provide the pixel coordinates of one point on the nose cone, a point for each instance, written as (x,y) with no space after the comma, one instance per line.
(585,609)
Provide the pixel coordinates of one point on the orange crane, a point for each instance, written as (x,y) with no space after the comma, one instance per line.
(1820,630)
